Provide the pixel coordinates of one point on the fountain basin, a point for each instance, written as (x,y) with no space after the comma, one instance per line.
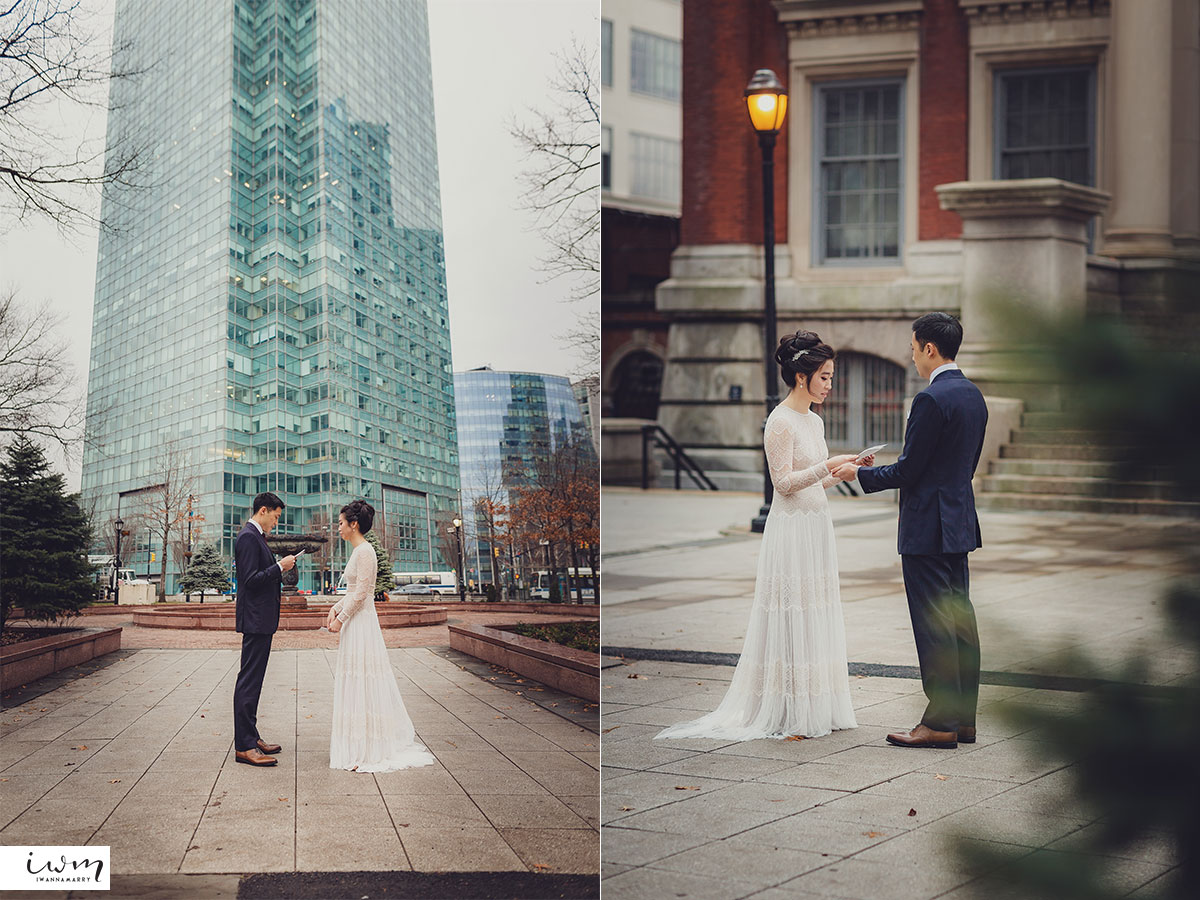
(220,617)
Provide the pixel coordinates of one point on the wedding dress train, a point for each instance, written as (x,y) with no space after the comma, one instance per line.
(792,676)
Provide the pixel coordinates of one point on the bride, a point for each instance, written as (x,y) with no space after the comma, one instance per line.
(372,731)
(792,677)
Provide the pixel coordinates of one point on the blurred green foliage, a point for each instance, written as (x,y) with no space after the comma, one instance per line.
(1134,748)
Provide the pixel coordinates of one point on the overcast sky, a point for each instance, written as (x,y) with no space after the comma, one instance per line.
(492,61)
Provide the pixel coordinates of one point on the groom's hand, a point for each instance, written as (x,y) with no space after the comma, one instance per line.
(847,472)
(286,563)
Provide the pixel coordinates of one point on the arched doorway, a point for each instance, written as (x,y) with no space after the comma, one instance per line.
(867,403)
(637,384)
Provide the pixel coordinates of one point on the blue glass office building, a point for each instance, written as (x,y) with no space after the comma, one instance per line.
(509,424)
(274,299)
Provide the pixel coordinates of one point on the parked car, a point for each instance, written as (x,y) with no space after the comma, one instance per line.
(409,589)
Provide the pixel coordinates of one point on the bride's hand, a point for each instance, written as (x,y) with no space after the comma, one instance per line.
(335,626)
(836,462)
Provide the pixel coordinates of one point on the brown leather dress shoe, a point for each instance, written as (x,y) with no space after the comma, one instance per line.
(966,734)
(268,748)
(254,757)
(921,736)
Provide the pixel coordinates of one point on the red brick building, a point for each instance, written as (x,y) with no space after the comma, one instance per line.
(888,101)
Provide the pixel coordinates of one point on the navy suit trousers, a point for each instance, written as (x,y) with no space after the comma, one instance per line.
(256,649)
(943,622)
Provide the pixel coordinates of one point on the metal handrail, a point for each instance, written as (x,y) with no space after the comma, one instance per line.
(683,462)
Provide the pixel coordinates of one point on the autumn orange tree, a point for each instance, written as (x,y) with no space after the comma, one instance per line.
(562,507)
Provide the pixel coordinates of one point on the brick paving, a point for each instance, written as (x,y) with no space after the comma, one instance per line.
(846,815)
(136,754)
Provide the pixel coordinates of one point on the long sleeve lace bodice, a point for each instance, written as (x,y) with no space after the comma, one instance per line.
(796,455)
(361,569)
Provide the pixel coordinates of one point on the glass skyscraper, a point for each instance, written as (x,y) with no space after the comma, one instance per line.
(509,425)
(273,301)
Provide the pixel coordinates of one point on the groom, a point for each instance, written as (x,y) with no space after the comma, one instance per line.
(259,578)
(938,528)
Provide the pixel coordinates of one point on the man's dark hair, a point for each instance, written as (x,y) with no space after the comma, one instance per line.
(267,499)
(940,329)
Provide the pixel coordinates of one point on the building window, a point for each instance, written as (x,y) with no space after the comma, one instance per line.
(606,158)
(636,386)
(859,166)
(1045,124)
(655,168)
(866,405)
(606,34)
(654,65)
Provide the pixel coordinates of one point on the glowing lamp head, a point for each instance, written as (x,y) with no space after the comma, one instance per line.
(766,101)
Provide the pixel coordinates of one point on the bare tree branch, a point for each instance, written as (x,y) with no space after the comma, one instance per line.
(49,55)
(163,505)
(37,384)
(562,187)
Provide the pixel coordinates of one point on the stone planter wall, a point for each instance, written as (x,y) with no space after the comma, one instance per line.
(587,611)
(30,660)
(571,671)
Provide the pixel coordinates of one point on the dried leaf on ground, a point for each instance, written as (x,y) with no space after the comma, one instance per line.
(795,737)
(607,730)
(684,787)
(912,812)
(940,777)
(874,834)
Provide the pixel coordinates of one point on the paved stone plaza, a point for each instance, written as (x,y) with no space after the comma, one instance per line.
(847,815)
(137,755)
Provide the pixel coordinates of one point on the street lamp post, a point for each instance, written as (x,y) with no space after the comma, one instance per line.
(766,101)
(550,573)
(457,532)
(117,563)
(187,554)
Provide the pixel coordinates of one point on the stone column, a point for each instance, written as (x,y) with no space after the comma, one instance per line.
(1140,133)
(1024,252)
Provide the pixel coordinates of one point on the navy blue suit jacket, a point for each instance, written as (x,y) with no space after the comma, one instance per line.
(258,583)
(942,444)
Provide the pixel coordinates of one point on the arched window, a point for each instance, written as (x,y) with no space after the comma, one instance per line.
(866,405)
(636,386)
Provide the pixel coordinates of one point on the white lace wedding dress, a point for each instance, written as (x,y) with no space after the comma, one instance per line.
(372,731)
(792,676)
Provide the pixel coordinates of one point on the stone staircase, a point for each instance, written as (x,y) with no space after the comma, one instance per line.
(1050,463)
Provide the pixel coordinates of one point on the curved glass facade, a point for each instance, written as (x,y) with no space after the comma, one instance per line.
(509,425)
(275,300)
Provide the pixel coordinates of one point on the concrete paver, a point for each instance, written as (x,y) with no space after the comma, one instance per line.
(138,755)
(847,815)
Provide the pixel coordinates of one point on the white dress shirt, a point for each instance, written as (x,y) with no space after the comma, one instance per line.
(264,534)
(945,367)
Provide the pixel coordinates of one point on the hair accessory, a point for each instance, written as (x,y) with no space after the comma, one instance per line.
(798,355)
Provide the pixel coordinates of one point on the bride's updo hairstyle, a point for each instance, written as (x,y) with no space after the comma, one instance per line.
(359,511)
(802,353)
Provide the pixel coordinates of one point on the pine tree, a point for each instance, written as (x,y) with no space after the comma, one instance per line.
(208,570)
(44,537)
(383,574)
